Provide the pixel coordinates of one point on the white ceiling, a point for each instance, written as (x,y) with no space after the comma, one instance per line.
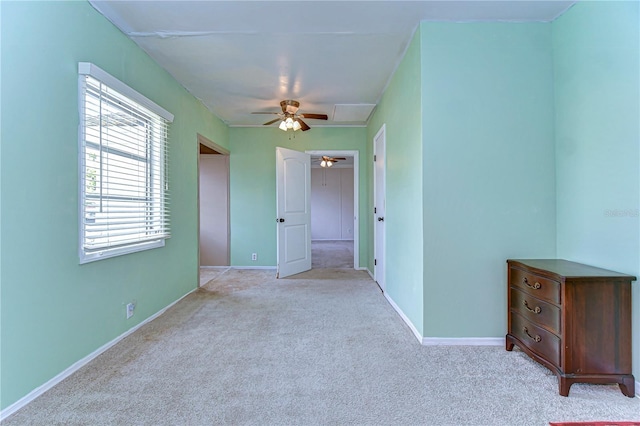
(243,56)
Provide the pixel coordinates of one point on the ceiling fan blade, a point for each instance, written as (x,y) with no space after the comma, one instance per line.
(339,158)
(271,122)
(303,126)
(315,116)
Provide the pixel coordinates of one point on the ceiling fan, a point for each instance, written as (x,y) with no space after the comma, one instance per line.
(326,161)
(289,117)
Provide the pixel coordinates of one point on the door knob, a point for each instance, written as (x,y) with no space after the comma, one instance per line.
(381,219)
(280,220)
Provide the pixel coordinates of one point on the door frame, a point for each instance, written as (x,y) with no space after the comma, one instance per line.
(202,140)
(379,250)
(356,187)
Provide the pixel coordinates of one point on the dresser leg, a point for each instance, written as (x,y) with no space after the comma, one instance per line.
(628,386)
(564,386)
(508,344)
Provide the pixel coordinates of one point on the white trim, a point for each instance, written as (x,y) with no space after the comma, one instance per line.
(368,271)
(25,400)
(379,252)
(315,125)
(202,140)
(463,341)
(87,68)
(252,267)
(214,267)
(114,252)
(403,316)
(356,195)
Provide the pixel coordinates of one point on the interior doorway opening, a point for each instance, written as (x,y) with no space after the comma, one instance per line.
(213,210)
(334,209)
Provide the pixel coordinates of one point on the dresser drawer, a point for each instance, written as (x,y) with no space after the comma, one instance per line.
(539,340)
(540,287)
(535,310)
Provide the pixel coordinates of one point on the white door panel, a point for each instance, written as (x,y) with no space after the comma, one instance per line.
(293,190)
(379,206)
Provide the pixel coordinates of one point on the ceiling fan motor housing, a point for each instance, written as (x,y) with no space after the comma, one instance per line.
(289,106)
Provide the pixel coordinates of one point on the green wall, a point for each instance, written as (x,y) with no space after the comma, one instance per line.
(489,170)
(596,53)
(503,140)
(53,310)
(253,185)
(400,111)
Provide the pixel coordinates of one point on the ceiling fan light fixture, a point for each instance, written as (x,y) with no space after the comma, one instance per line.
(323,163)
(329,163)
(289,123)
(296,125)
(283,125)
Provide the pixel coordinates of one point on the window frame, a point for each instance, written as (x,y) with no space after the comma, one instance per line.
(88,69)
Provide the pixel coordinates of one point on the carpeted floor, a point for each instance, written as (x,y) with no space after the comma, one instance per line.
(323,347)
(332,254)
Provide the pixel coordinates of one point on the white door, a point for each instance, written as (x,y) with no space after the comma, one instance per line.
(379,206)
(293,190)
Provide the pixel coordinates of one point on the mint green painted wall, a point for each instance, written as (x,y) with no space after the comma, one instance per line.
(489,171)
(53,310)
(596,49)
(401,111)
(253,185)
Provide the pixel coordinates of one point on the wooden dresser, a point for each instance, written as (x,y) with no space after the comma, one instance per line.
(574,319)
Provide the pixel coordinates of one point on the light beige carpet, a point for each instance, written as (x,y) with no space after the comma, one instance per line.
(323,347)
(332,254)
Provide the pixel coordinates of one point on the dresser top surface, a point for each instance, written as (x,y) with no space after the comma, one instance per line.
(567,269)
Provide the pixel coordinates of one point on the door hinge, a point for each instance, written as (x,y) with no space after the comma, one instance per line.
(375,211)
(374,158)
(375,262)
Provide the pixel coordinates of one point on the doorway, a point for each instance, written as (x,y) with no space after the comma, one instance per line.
(334,210)
(213,210)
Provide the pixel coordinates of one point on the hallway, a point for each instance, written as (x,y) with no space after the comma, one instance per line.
(336,254)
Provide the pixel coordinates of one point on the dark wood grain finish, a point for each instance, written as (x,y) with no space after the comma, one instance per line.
(536,338)
(585,311)
(536,310)
(536,285)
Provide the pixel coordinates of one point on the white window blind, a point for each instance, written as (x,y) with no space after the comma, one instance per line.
(124,191)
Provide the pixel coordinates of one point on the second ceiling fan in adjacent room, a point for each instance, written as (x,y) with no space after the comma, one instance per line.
(326,161)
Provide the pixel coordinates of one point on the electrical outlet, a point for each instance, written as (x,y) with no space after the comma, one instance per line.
(254,256)
(130,308)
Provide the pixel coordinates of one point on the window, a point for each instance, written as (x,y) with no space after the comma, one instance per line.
(124,205)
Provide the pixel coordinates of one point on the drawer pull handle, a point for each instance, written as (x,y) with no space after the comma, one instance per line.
(536,310)
(535,286)
(537,338)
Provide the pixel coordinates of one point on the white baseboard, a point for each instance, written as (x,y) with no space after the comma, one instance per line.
(252,267)
(445,341)
(403,316)
(25,400)
(368,271)
(463,341)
